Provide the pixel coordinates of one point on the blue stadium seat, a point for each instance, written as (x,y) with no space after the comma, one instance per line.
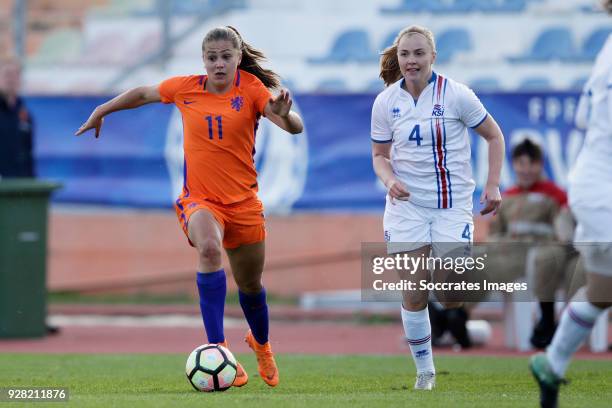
(535,84)
(389,39)
(486,84)
(447,44)
(506,6)
(451,42)
(351,45)
(198,7)
(408,6)
(554,43)
(456,6)
(465,6)
(332,85)
(594,43)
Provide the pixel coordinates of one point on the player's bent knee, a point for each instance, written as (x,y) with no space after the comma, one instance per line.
(209,252)
(251,285)
(250,288)
(414,304)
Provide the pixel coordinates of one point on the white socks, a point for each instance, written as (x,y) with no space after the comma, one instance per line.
(418,334)
(576,323)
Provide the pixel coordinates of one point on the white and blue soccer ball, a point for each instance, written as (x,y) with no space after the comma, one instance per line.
(211,367)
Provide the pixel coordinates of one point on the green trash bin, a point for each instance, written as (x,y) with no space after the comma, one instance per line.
(23,253)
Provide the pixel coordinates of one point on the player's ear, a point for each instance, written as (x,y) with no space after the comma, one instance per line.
(433,57)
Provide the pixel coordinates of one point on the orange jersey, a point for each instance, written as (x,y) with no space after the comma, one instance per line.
(219,133)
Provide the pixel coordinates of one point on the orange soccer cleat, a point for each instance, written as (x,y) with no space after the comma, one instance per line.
(241,376)
(265,360)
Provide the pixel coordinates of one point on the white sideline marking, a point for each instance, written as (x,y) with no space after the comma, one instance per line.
(136,321)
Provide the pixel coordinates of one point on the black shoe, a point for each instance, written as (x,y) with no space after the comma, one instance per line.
(542,334)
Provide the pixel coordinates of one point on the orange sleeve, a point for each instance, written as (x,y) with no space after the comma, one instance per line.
(169,88)
(260,95)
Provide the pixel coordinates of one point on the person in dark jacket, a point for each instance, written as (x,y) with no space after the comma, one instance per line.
(16,126)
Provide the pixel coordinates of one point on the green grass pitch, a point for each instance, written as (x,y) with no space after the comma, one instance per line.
(306,381)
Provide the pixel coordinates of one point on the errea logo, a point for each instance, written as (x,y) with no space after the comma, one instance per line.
(396,113)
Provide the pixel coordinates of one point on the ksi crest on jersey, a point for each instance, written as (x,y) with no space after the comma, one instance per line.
(438,110)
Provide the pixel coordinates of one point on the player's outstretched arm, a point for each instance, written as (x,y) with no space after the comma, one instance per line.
(381,161)
(130,99)
(278,110)
(491,132)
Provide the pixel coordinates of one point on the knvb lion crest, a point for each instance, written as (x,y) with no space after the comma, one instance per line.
(237,103)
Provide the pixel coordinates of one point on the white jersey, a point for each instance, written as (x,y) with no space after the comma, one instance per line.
(593,169)
(590,181)
(430,147)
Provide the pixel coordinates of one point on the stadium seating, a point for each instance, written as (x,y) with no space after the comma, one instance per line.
(504,6)
(389,39)
(349,46)
(485,84)
(408,6)
(554,43)
(119,8)
(61,46)
(332,85)
(451,42)
(516,40)
(535,84)
(375,85)
(594,43)
(456,6)
(448,43)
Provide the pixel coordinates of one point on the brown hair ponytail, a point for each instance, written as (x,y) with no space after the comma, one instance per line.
(251,57)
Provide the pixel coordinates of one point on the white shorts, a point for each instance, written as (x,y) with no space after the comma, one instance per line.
(593,238)
(409,226)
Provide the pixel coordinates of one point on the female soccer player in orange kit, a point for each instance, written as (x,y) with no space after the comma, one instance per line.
(219,204)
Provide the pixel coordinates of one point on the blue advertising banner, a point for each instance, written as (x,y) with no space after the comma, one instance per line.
(138,159)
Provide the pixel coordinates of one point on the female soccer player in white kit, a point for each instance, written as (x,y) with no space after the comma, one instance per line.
(590,189)
(421,152)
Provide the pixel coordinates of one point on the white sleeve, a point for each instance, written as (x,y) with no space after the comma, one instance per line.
(582,111)
(608,99)
(471,110)
(380,129)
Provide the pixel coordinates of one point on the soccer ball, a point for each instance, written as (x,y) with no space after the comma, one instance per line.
(211,367)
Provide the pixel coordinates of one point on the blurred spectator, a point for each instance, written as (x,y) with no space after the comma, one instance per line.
(16,125)
(451,321)
(535,211)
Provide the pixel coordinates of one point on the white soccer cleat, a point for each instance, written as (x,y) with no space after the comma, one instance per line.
(425,381)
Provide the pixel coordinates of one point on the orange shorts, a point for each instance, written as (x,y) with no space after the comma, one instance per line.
(242,222)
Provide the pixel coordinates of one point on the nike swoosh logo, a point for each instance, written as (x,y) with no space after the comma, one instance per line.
(188,102)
